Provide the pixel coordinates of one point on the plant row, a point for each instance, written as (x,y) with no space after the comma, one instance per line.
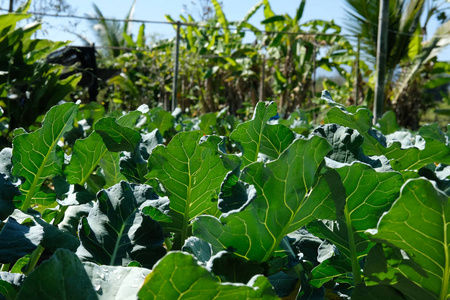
(153,205)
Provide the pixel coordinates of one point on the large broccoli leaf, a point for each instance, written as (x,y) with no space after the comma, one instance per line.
(285,201)
(368,194)
(178,276)
(62,277)
(37,156)
(418,223)
(191,172)
(116,231)
(258,136)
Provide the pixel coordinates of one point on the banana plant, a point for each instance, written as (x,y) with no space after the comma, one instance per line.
(112,33)
(293,53)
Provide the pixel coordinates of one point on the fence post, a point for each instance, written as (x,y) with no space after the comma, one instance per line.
(175,71)
(383,23)
(263,78)
(314,72)
(358,49)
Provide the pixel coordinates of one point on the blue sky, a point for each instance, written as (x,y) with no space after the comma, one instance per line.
(234,10)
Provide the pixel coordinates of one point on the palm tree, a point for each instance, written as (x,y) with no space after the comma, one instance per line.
(113,34)
(409,55)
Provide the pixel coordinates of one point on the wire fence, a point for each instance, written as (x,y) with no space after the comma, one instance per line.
(198,25)
(232,26)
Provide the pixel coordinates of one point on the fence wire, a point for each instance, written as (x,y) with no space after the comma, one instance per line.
(198,25)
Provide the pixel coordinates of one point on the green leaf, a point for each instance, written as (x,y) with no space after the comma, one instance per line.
(381,269)
(133,167)
(222,20)
(234,193)
(418,224)
(130,119)
(435,150)
(368,195)
(85,157)
(388,123)
(10,284)
(110,168)
(36,155)
(377,292)
(112,282)
(140,42)
(72,217)
(7,193)
(10,20)
(411,158)
(116,231)
(415,44)
(432,131)
(281,206)
(72,194)
(31,231)
(273,19)
(436,82)
(149,142)
(178,276)
(17,240)
(361,120)
(347,146)
(161,120)
(54,238)
(200,249)
(6,162)
(158,214)
(208,123)
(191,173)
(257,136)
(62,277)
(299,13)
(117,137)
(232,268)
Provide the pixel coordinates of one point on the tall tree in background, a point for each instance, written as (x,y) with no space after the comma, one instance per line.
(410,56)
(112,34)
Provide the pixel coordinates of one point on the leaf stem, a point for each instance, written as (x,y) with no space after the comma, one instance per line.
(184,228)
(5,268)
(33,259)
(445,286)
(298,268)
(168,244)
(357,276)
(60,215)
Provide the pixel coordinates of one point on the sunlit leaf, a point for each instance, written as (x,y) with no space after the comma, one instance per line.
(178,276)
(37,156)
(282,204)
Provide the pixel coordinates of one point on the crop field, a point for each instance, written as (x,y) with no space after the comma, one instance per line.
(158,206)
(207,167)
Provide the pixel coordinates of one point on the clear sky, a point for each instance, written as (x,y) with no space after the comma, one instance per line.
(234,10)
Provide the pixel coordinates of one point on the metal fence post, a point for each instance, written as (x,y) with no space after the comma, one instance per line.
(262,78)
(175,71)
(383,27)
(358,49)
(313,86)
